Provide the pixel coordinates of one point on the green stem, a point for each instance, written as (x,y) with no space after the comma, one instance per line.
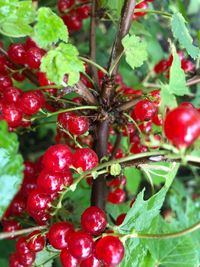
(166,14)
(116,62)
(94,64)
(134,122)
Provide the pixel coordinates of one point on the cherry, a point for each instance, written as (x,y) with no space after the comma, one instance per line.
(67,259)
(77,125)
(144,110)
(64,4)
(5,82)
(50,182)
(92,261)
(12,94)
(17,53)
(120,219)
(36,241)
(21,246)
(117,196)
(182,126)
(38,201)
(80,245)
(27,259)
(34,56)
(161,66)
(110,250)
(57,158)
(31,102)
(93,220)
(58,234)
(12,114)
(85,158)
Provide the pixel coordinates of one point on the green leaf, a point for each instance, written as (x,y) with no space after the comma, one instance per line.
(135,50)
(167,98)
(45,258)
(135,219)
(177,82)
(60,61)
(113,6)
(182,34)
(11,167)
(115,169)
(49,28)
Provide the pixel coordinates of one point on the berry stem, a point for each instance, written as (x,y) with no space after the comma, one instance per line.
(93,63)
(166,14)
(21,232)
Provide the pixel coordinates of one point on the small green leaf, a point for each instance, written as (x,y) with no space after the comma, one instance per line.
(181,33)
(167,98)
(49,28)
(115,169)
(60,61)
(177,82)
(11,167)
(135,50)
(45,258)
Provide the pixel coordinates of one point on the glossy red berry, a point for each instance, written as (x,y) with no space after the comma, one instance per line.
(36,241)
(67,178)
(5,82)
(187,65)
(21,246)
(18,205)
(38,201)
(161,66)
(31,102)
(49,182)
(182,126)
(92,261)
(63,119)
(77,125)
(30,43)
(138,148)
(93,220)
(18,76)
(67,259)
(83,11)
(85,158)
(141,5)
(12,114)
(27,259)
(59,234)
(11,226)
(117,196)
(120,219)
(64,4)
(110,250)
(12,95)
(144,110)
(57,158)
(80,245)
(73,22)
(14,261)
(17,53)
(34,56)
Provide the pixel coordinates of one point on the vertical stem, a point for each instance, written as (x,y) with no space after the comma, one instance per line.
(93,41)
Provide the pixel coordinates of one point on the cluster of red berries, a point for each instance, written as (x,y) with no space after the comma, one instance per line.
(73,13)
(165,64)
(142,5)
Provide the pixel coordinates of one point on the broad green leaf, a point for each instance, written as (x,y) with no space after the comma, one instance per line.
(45,258)
(135,50)
(16,29)
(11,167)
(7,8)
(182,34)
(49,28)
(60,61)
(167,98)
(135,219)
(177,81)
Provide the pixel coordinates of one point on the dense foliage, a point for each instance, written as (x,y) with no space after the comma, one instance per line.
(99,133)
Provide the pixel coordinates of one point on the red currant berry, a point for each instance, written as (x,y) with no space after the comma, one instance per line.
(18,76)
(5,82)
(3,65)
(57,158)
(92,261)
(117,196)
(64,4)
(18,205)
(12,94)
(31,102)
(41,217)
(161,66)
(27,259)
(21,246)
(93,220)
(120,219)
(83,11)
(110,250)
(14,261)
(30,43)
(77,125)
(137,148)
(12,114)
(144,110)
(73,22)
(59,233)
(11,226)
(187,65)
(67,259)
(38,201)
(29,169)
(36,241)
(182,126)
(80,245)
(63,119)
(50,182)
(141,5)
(85,158)
(17,53)
(67,177)
(34,56)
